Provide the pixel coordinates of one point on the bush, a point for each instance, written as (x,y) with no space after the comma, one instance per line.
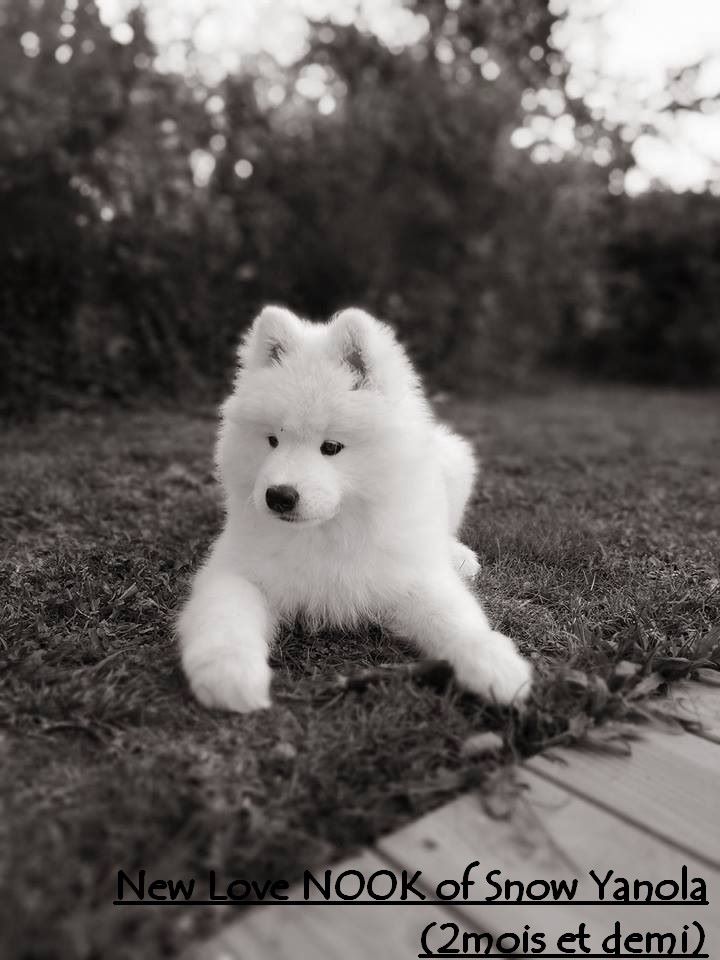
(663,292)
(121,275)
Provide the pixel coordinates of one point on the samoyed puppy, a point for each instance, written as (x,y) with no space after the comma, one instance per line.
(343,496)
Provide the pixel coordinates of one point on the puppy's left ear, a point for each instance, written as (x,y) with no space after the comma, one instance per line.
(357,341)
(273,333)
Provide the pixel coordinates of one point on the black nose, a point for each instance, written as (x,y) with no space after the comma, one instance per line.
(281,499)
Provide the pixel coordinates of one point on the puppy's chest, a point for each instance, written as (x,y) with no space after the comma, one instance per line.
(325,583)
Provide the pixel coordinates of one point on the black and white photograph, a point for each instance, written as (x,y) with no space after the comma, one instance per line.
(359,479)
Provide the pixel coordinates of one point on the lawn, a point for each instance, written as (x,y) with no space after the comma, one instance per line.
(596,520)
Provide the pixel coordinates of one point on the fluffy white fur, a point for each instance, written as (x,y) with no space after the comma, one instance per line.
(373,534)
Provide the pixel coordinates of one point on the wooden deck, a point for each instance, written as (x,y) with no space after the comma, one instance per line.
(653,815)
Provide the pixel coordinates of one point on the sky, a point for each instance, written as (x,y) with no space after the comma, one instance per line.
(620,52)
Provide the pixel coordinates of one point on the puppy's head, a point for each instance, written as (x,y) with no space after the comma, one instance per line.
(316,415)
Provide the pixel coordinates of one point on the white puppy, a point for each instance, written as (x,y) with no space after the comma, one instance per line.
(343,497)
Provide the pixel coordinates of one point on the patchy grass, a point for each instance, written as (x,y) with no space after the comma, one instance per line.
(596,521)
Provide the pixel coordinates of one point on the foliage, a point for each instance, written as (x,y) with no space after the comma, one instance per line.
(662,321)
(123,271)
(98,212)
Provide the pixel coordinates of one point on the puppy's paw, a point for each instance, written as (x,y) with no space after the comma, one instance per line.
(498,673)
(227,681)
(465,560)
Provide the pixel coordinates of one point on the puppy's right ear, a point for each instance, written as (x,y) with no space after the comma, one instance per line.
(275,331)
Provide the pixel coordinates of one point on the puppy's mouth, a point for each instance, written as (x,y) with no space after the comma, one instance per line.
(299,521)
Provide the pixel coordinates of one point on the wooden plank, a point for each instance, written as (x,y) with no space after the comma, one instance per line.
(669,787)
(703,753)
(706,676)
(324,931)
(552,834)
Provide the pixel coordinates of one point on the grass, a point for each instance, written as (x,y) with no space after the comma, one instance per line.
(595,525)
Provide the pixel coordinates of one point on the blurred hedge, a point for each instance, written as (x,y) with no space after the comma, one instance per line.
(120,275)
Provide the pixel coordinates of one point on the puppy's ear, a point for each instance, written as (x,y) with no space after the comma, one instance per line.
(273,334)
(355,335)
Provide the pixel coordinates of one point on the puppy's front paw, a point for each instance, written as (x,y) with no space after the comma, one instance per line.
(224,680)
(498,672)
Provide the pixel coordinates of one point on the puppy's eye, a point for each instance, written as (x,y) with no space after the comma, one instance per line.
(330,448)
(272,440)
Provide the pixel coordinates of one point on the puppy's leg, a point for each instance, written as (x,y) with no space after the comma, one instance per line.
(457,461)
(225,631)
(445,620)
(464,560)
